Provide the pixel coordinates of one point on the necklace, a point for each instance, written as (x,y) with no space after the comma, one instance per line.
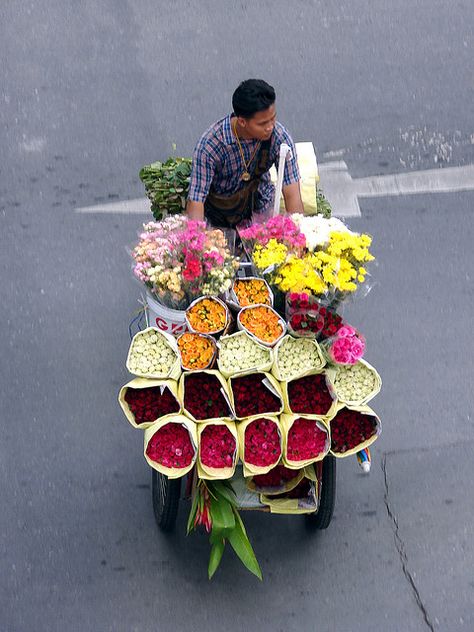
(245,175)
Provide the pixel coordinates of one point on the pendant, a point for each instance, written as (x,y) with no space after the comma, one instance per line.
(245,176)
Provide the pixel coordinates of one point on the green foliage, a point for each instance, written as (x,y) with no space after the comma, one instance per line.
(166,185)
(322,204)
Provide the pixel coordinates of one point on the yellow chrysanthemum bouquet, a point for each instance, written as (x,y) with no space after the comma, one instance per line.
(330,265)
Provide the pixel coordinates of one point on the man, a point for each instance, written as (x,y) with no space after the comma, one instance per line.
(230,178)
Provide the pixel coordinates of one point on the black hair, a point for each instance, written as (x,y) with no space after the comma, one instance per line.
(252,96)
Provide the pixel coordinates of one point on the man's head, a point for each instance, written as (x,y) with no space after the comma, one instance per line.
(254,106)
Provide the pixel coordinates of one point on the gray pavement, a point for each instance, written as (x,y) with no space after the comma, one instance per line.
(90,92)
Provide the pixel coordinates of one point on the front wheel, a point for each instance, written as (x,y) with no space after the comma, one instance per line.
(327,498)
(165,493)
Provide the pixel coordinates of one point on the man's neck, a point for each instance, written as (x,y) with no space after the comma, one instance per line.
(240,131)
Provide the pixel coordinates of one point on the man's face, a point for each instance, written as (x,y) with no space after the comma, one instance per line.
(261,125)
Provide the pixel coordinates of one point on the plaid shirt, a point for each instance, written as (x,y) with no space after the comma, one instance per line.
(217,161)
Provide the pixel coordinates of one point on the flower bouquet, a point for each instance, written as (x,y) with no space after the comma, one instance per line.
(278,480)
(255,394)
(154,354)
(305,441)
(197,351)
(263,323)
(309,317)
(260,444)
(347,346)
(145,401)
(240,352)
(353,428)
(171,446)
(310,395)
(204,396)
(251,291)
(208,315)
(179,259)
(302,499)
(218,453)
(355,384)
(294,357)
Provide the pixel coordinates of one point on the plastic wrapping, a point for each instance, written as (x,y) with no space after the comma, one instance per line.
(278,480)
(302,499)
(262,323)
(179,259)
(314,434)
(355,384)
(212,473)
(240,353)
(166,388)
(364,416)
(209,396)
(267,443)
(189,426)
(154,354)
(346,347)
(295,357)
(255,394)
(309,316)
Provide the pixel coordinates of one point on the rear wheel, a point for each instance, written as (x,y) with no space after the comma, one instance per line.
(327,497)
(165,497)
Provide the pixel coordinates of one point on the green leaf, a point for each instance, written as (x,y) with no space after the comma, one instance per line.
(215,557)
(192,514)
(222,515)
(240,543)
(224,491)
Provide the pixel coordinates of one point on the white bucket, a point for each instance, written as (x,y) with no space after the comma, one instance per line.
(173,321)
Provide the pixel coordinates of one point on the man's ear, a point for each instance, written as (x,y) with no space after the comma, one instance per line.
(242,121)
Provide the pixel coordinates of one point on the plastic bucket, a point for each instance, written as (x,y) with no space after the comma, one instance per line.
(172,321)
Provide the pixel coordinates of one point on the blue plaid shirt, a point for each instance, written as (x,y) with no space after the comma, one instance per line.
(217,161)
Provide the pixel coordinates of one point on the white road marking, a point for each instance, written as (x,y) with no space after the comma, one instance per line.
(343,191)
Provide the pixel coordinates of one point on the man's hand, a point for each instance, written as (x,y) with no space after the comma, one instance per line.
(195,210)
(292,197)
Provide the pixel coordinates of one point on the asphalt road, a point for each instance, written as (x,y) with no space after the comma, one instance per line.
(92,91)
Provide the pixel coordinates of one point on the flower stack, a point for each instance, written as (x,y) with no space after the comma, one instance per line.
(277,388)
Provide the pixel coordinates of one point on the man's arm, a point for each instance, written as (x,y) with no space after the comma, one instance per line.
(292,197)
(195,210)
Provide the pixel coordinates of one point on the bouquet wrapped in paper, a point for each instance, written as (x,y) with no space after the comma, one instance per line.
(239,353)
(260,444)
(278,480)
(302,499)
(154,354)
(262,323)
(311,395)
(305,440)
(218,450)
(171,445)
(355,384)
(353,428)
(145,401)
(295,357)
(208,315)
(255,394)
(204,396)
(197,351)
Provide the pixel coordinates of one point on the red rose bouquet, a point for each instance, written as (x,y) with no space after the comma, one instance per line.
(301,499)
(278,480)
(170,446)
(204,395)
(353,429)
(307,316)
(260,444)
(309,395)
(305,440)
(145,401)
(255,394)
(217,450)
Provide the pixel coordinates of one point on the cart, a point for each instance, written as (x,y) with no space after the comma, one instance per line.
(167,493)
